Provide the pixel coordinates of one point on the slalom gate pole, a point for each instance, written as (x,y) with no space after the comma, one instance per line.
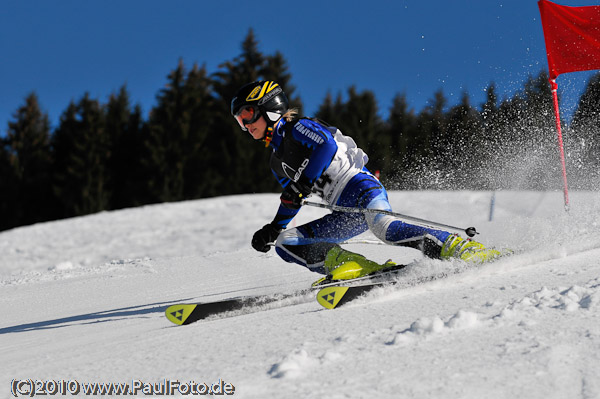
(470,231)
(492,205)
(554,87)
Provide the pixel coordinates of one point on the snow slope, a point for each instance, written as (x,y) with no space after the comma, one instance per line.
(83,300)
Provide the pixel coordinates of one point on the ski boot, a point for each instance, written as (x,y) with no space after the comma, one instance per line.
(467,250)
(345,265)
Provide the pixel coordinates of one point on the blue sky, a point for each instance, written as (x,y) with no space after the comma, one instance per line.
(64,48)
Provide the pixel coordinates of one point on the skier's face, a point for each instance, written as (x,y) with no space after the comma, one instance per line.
(258,128)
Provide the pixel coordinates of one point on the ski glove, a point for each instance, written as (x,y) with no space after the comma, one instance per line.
(264,236)
(293,195)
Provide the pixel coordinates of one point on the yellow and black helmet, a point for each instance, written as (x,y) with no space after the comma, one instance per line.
(259,98)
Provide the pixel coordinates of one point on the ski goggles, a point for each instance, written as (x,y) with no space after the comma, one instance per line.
(247,115)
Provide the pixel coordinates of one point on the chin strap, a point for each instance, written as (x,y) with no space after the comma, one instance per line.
(269,132)
(268,136)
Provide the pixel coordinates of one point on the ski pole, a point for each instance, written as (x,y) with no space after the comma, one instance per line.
(469,231)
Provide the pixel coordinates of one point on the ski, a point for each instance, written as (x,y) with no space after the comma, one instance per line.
(335,296)
(187,313)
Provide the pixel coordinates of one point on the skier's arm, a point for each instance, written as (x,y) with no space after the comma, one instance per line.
(284,216)
(320,148)
(289,206)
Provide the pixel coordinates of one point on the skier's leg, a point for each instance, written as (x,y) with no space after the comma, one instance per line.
(315,244)
(393,231)
(437,244)
(365,191)
(309,244)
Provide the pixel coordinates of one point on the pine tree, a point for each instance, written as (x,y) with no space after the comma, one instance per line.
(276,68)
(489,120)
(28,147)
(431,123)
(359,119)
(583,138)
(124,128)
(538,135)
(201,158)
(522,143)
(462,145)
(244,161)
(168,126)
(10,208)
(331,112)
(81,147)
(404,144)
(182,155)
(491,143)
(245,164)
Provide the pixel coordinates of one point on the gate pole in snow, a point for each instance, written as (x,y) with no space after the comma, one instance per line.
(492,205)
(560,141)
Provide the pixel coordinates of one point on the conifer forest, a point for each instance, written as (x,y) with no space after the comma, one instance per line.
(106,156)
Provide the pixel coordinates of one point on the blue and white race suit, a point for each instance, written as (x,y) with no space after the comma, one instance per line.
(320,156)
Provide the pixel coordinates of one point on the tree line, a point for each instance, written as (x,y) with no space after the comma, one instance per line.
(105,156)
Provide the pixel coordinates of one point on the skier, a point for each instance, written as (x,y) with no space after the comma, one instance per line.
(311,157)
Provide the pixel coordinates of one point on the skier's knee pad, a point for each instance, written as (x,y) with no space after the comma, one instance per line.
(379,225)
(293,247)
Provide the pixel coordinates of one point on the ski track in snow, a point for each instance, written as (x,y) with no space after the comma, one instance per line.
(85,297)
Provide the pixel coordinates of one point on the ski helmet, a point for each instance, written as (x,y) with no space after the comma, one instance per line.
(259,98)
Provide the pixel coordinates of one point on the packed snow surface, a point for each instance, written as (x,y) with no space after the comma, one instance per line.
(84,299)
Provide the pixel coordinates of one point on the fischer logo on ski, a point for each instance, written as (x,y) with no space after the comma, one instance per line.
(180,313)
(330,297)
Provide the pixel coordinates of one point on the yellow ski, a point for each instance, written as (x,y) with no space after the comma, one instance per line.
(330,297)
(336,296)
(179,313)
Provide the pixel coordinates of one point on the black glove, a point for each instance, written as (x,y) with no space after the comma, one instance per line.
(293,195)
(264,236)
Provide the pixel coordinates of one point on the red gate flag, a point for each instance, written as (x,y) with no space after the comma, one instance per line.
(572,37)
